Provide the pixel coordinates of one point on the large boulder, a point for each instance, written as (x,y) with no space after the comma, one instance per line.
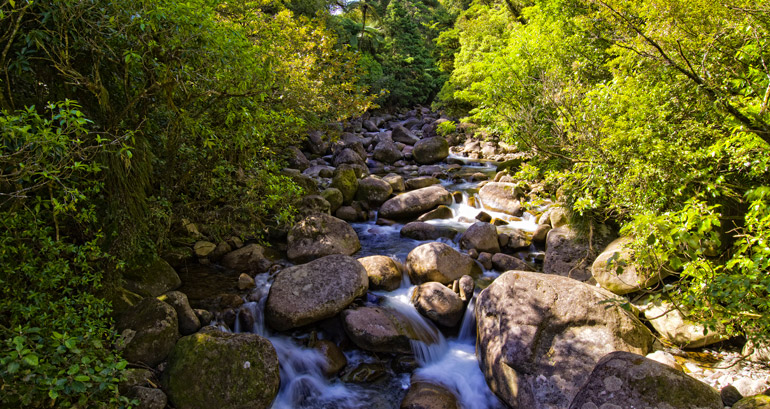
(569,254)
(320,235)
(428,395)
(349,156)
(153,279)
(627,380)
(396,182)
(378,329)
(403,135)
(672,325)
(539,336)
(430,150)
(437,262)
(502,197)
(384,272)
(186,318)
(148,332)
(346,181)
(320,289)
(249,259)
(213,369)
(373,190)
(438,303)
(614,269)
(297,159)
(387,152)
(426,231)
(414,203)
(334,197)
(481,237)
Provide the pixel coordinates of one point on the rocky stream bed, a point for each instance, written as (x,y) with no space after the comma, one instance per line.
(417,277)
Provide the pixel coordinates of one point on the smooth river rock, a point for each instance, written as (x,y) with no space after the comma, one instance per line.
(320,235)
(438,303)
(540,336)
(320,289)
(614,269)
(414,203)
(384,272)
(502,197)
(437,262)
(377,329)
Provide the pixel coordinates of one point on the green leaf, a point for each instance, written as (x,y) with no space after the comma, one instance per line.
(31,360)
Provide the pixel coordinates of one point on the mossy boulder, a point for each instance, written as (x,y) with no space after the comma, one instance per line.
(188,321)
(153,279)
(753,402)
(320,235)
(373,190)
(346,182)
(378,329)
(213,369)
(623,379)
(148,332)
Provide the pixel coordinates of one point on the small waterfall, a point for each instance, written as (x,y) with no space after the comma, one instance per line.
(468,326)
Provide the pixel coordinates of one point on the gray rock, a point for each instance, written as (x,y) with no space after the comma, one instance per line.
(320,235)
(730,395)
(437,262)
(148,332)
(320,289)
(188,321)
(373,190)
(502,197)
(149,398)
(431,150)
(334,197)
(152,280)
(481,237)
(426,231)
(396,182)
(414,203)
(540,335)
(387,152)
(297,159)
(441,212)
(421,182)
(672,325)
(541,233)
(377,329)
(503,262)
(350,156)
(467,286)
(203,248)
(403,135)
(314,204)
(248,259)
(614,269)
(567,254)
(214,369)
(627,380)
(428,395)
(384,272)
(438,303)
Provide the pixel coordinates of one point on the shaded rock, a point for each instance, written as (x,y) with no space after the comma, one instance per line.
(213,369)
(568,255)
(430,150)
(149,398)
(121,299)
(134,377)
(384,272)
(319,171)
(152,280)
(378,330)
(387,152)
(517,240)
(672,325)
(346,181)
(540,335)
(414,203)
(481,237)
(441,212)
(467,286)
(245,282)
(148,332)
(485,259)
(373,190)
(427,231)
(297,159)
(437,262)
(350,214)
(316,143)
(403,135)
(334,359)
(367,372)
(320,235)
(627,380)
(541,233)
(187,320)
(484,217)
(421,182)
(396,182)
(614,269)
(753,402)
(334,197)
(503,262)
(438,303)
(349,156)
(314,204)
(730,395)
(310,292)
(427,395)
(203,248)
(502,197)
(248,259)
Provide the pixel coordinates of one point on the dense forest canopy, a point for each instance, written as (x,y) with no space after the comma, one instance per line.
(122,119)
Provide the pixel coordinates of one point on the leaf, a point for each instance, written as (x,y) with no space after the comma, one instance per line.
(82,378)
(31,360)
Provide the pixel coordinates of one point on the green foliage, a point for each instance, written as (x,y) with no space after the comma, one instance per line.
(656,114)
(446,128)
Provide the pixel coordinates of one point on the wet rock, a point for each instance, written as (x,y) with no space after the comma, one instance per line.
(540,335)
(426,395)
(540,234)
(427,231)
(416,202)
(387,152)
(376,329)
(249,259)
(627,380)
(403,135)
(503,262)
(149,398)
(481,237)
(672,325)
(437,262)
(730,395)
(753,402)
(213,369)
(350,214)
(153,279)
(320,235)
(467,286)
(245,282)
(346,181)
(384,272)
(366,373)
(502,197)
(614,269)
(484,217)
(187,320)
(421,182)
(517,240)
(485,259)
(396,182)
(441,212)
(405,364)
(438,303)
(373,190)
(430,150)
(148,332)
(310,292)
(334,359)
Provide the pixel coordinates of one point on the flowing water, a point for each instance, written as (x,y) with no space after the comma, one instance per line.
(450,361)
